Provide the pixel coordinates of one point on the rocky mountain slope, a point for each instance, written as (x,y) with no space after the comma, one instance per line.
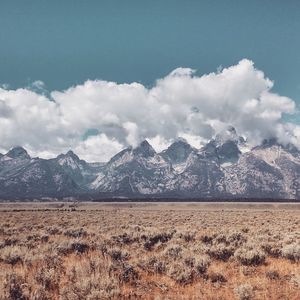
(223,168)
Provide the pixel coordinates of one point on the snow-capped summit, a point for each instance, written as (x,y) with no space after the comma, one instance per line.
(18,152)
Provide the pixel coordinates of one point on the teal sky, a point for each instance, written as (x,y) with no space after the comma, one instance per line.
(66,42)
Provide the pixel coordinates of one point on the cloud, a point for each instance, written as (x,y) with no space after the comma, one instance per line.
(132,131)
(98,146)
(5,110)
(180,104)
(38,84)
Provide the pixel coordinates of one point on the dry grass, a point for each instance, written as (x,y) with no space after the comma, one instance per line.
(141,251)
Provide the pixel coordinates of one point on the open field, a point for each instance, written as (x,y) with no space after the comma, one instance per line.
(149,251)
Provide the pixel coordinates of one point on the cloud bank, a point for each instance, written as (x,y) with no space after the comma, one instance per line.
(99,118)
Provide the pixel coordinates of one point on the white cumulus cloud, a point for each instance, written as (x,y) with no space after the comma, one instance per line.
(181,104)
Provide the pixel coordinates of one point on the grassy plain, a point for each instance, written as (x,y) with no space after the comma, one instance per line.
(149,251)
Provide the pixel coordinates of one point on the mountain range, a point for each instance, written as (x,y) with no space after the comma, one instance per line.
(224,168)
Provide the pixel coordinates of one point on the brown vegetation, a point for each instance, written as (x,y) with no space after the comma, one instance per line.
(149,252)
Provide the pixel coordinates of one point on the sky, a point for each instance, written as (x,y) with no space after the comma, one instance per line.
(97,76)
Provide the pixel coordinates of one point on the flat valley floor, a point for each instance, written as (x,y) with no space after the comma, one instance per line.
(149,251)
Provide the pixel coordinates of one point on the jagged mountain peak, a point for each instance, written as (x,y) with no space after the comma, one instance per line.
(178,151)
(71,154)
(218,169)
(144,149)
(180,142)
(18,152)
(228,134)
(224,147)
(120,154)
(71,160)
(143,152)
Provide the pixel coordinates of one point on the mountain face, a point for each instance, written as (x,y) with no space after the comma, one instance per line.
(225,147)
(177,152)
(22,176)
(81,172)
(134,171)
(200,176)
(220,169)
(18,153)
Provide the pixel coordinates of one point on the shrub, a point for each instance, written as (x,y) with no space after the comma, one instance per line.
(221,239)
(14,287)
(248,270)
(291,252)
(155,265)
(202,264)
(53,230)
(118,255)
(244,292)
(128,274)
(10,242)
(207,239)
(181,274)
(160,237)
(295,280)
(76,246)
(76,233)
(79,247)
(187,236)
(53,261)
(40,294)
(250,257)
(65,247)
(49,279)
(12,254)
(174,251)
(220,252)
(125,238)
(91,289)
(273,275)
(272,249)
(45,238)
(190,261)
(217,277)
(236,239)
